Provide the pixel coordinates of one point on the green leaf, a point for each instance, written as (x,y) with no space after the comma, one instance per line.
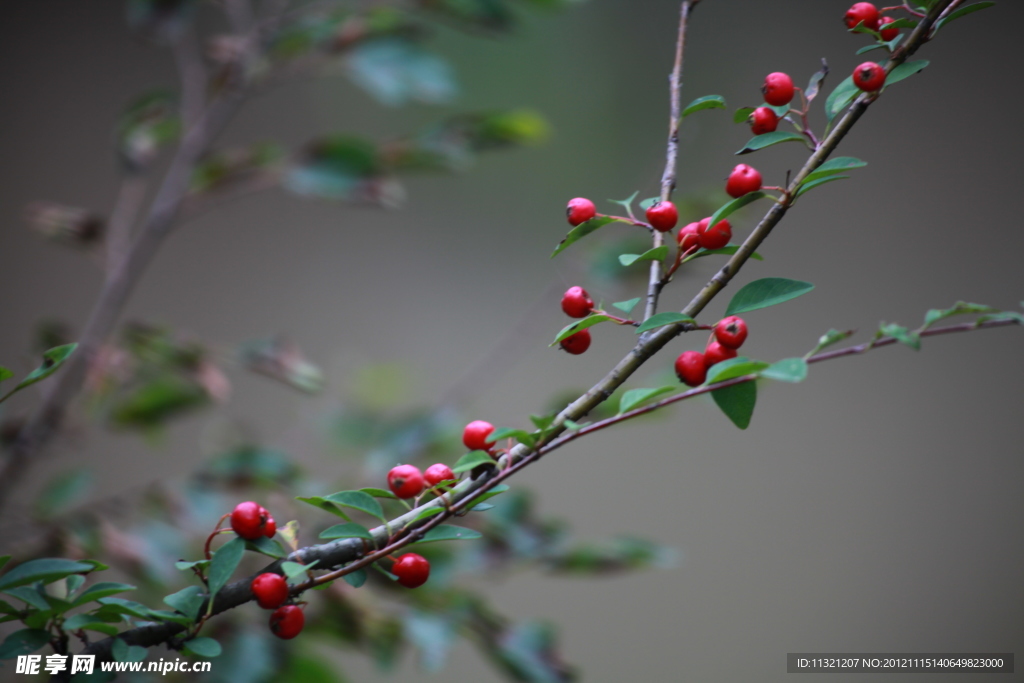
(267,546)
(542,422)
(89,622)
(735,205)
(432,636)
(581,231)
(356,578)
(29,595)
(428,513)
(224,563)
(766,292)
(905,70)
(662,319)
(347,530)
(834,166)
(734,367)
(787,370)
(706,102)
(122,606)
(902,335)
(5,373)
(449,532)
(742,114)
(482,507)
(626,204)
(655,254)
(814,85)
(575,327)
(649,202)
(737,402)
(323,504)
(379,493)
(959,308)
(187,601)
(122,652)
(294,569)
(808,186)
(869,48)
(200,564)
(203,647)
(62,491)
(625,307)
(23,642)
(101,590)
(52,360)
(634,397)
(960,12)
(841,96)
(491,493)
(357,500)
(727,250)
(46,570)
(831,337)
(519,435)
(472,460)
(768,139)
(396,71)
(4,559)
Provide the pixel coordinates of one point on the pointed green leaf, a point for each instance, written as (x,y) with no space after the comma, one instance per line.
(426,514)
(46,570)
(905,70)
(625,307)
(869,48)
(491,493)
(742,114)
(187,601)
(101,590)
(347,530)
(959,308)
(293,570)
(89,622)
(834,166)
(727,250)
(356,578)
(649,202)
(1002,315)
(735,205)
(737,402)
(831,337)
(581,231)
(52,360)
(472,460)
(5,373)
(267,546)
(768,139)
(706,102)
(224,563)
(575,327)
(379,493)
(122,606)
(634,397)
(30,596)
(808,186)
(203,647)
(734,367)
(766,292)
(357,500)
(449,532)
(626,204)
(519,435)
(542,422)
(662,319)
(841,96)
(787,370)
(960,12)
(655,254)
(902,335)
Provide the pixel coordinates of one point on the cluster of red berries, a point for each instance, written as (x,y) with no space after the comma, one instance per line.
(271,591)
(869,76)
(728,335)
(577,304)
(251,521)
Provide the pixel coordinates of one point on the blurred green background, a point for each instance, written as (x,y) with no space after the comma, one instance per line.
(876,507)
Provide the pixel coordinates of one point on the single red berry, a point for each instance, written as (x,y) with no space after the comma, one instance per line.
(411,569)
(249,520)
(862,12)
(887,33)
(576,343)
(731,332)
(742,180)
(474,436)
(662,216)
(270,528)
(271,590)
(577,303)
(690,368)
(435,474)
(405,481)
(778,89)
(714,237)
(287,621)
(688,236)
(716,353)
(580,210)
(869,77)
(763,120)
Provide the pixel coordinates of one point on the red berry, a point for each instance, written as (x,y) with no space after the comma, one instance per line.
(286,622)
(714,237)
(763,120)
(576,343)
(435,474)
(405,481)
(249,520)
(887,33)
(690,368)
(577,303)
(580,210)
(688,236)
(731,332)
(662,216)
(474,436)
(270,528)
(778,89)
(411,569)
(742,180)
(271,590)
(716,353)
(869,77)
(862,12)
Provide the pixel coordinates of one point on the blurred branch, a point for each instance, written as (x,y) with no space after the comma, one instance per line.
(126,209)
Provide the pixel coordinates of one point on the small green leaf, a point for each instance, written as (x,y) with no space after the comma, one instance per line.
(52,360)
(831,337)
(449,532)
(187,601)
(766,292)
(101,590)
(787,370)
(5,373)
(905,70)
(649,202)
(30,596)
(472,460)
(356,578)
(808,186)
(122,606)
(734,367)
(902,335)
(122,652)
(737,402)
(662,319)
(960,12)
(626,204)
(735,205)
(742,114)
(428,513)
(199,564)
(347,530)
(575,327)
(869,48)
(357,500)
(634,397)
(203,647)
(294,569)
(655,254)
(89,622)
(581,231)
(224,563)
(727,250)
(768,139)
(1002,315)
(570,424)
(625,307)
(491,493)
(834,166)
(46,570)
(379,493)
(706,102)
(542,422)
(959,308)
(23,642)
(482,507)
(841,96)
(519,435)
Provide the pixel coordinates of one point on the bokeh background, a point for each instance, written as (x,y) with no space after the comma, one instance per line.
(876,507)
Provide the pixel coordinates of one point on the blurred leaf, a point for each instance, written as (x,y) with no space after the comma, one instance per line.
(432,636)
(573,328)
(306,668)
(902,335)
(222,566)
(655,254)
(529,651)
(807,186)
(280,359)
(294,570)
(149,124)
(335,167)
(768,139)
(62,491)
(122,606)
(250,464)
(449,532)
(122,652)
(472,460)
(581,231)
(815,83)
(627,306)
(102,589)
(662,319)
(623,554)
(69,225)
(737,402)
(706,102)
(46,570)
(23,642)
(203,647)
(635,397)
(187,601)
(397,71)
(88,622)
(357,500)
(223,168)
(494,491)
(158,400)
(959,308)
(831,337)
(30,596)
(323,504)
(379,493)
(766,292)
(356,578)
(787,370)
